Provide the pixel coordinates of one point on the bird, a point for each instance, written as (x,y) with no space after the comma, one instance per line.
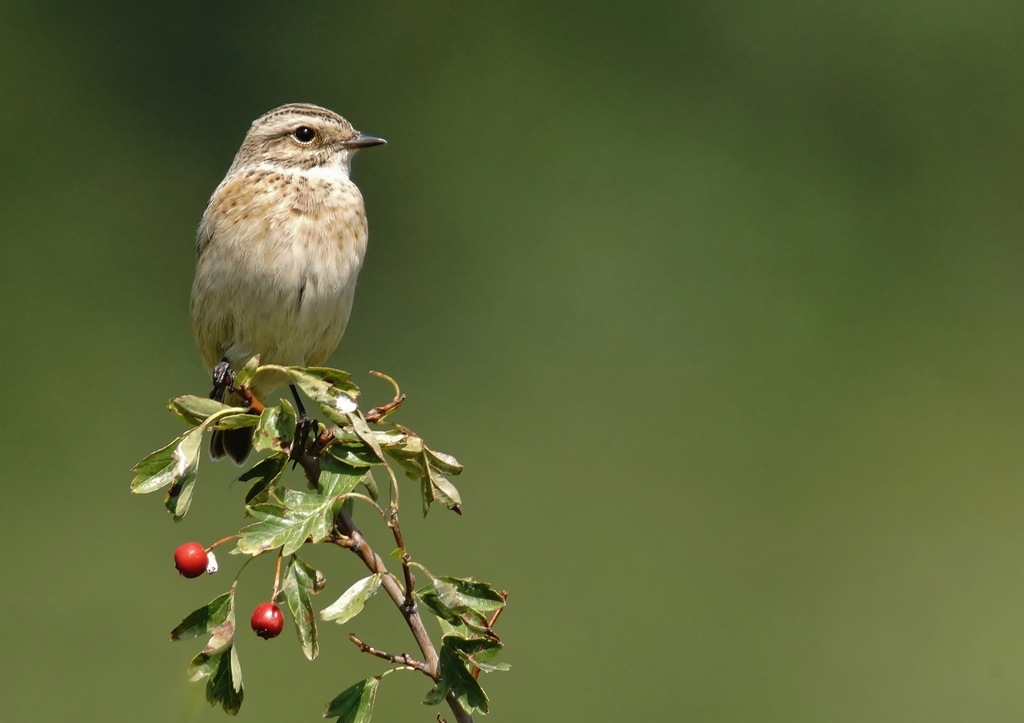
(279,249)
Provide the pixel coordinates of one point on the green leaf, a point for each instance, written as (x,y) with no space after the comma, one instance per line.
(434,486)
(370,484)
(455,675)
(274,528)
(173,465)
(461,601)
(354,455)
(338,478)
(396,439)
(468,593)
(276,428)
(267,378)
(168,464)
(441,490)
(479,652)
(194,410)
(266,473)
(224,678)
(237,420)
(352,601)
(363,431)
(155,470)
(301,581)
(355,703)
(245,374)
(303,515)
(205,619)
(331,389)
(427,466)
(218,662)
(426,493)
(443,462)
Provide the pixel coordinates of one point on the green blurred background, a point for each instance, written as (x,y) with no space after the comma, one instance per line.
(719,303)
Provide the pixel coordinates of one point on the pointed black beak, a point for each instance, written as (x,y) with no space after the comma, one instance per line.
(361,140)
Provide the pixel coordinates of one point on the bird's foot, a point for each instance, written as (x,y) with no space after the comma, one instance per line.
(300,444)
(223,379)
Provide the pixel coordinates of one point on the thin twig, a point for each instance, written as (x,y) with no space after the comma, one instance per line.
(352,539)
(378,413)
(255,405)
(402,659)
(277,576)
(410,581)
(374,563)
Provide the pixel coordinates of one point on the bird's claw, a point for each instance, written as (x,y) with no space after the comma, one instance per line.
(223,379)
(300,443)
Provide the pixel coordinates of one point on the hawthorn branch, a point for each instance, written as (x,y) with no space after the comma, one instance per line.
(358,544)
(403,659)
(352,539)
(378,413)
(256,406)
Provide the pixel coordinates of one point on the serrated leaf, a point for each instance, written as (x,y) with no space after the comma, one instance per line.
(273,528)
(434,486)
(218,662)
(363,431)
(303,515)
(220,637)
(179,497)
(352,601)
(194,410)
(468,593)
(244,375)
(443,462)
(265,473)
(224,678)
(398,439)
(355,703)
(338,478)
(319,508)
(205,619)
(331,389)
(168,464)
(443,491)
(184,463)
(399,443)
(301,581)
(479,652)
(155,470)
(353,455)
(276,428)
(461,601)
(455,675)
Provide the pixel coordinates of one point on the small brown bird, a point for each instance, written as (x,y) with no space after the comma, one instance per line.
(280,246)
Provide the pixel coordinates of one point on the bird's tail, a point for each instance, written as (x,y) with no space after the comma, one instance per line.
(234,443)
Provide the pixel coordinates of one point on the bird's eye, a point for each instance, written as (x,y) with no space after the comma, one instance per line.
(304,134)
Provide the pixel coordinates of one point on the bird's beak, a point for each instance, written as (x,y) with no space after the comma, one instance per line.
(361,140)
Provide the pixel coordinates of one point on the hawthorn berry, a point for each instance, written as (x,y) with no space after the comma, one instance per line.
(267,620)
(191,559)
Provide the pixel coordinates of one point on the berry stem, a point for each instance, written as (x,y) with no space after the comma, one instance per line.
(221,541)
(277,576)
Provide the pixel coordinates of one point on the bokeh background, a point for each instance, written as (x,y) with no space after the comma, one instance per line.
(719,303)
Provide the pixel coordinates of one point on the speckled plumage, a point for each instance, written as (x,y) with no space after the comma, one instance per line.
(281,244)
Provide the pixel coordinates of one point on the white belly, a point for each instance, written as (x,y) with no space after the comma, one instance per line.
(277,270)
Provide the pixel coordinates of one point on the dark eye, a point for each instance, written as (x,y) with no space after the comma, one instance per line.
(304,134)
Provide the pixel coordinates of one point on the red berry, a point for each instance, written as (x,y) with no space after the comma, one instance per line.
(191,559)
(267,620)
